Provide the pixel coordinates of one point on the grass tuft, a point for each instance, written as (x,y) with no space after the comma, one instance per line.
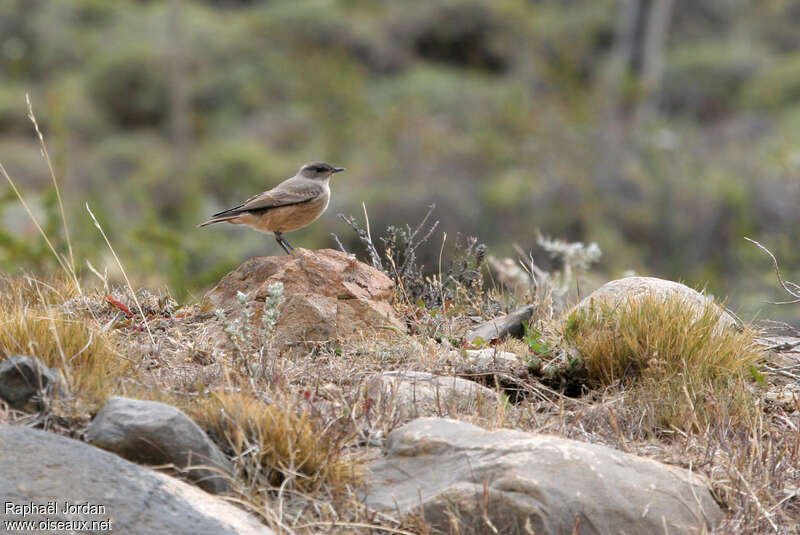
(33,322)
(275,445)
(685,366)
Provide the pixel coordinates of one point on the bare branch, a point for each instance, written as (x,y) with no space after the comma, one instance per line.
(339,243)
(363,235)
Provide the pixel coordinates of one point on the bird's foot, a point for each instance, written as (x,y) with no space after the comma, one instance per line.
(283,243)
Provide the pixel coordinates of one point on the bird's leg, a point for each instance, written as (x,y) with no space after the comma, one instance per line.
(283,243)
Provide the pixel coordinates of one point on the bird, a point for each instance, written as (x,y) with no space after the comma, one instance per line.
(291,205)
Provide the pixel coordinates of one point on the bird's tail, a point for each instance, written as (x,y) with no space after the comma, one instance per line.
(216,220)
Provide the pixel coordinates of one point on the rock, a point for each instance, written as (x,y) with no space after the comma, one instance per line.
(421,394)
(625,289)
(46,468)
(491,358)
(155,433)
(25,379)
(531,483)
(488,362)
(511,324)
(495,368)
(327,294)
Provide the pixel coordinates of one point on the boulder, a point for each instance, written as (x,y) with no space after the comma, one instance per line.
(326,294)
(628,288)
(81,483)
(512,324)
(155,433)
(463,478)
(416,394)
(25,382)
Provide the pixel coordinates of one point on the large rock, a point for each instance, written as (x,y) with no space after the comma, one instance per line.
(630,288)
(414,394)
(37,468)
(25,382)
(156,433)
(327,294)
(463,476)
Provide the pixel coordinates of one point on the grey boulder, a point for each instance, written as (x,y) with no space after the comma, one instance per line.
(631,288)
(85,484)
(155,433)
(469,480)
(26,382)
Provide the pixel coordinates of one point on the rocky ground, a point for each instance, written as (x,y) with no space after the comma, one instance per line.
(315,393)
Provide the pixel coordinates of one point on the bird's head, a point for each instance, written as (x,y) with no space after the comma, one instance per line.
(319,170)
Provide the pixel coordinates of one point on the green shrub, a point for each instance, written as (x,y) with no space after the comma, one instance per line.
(131,88)
(703,81)
(776,85)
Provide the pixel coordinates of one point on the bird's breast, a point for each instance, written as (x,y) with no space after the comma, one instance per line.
(295,216)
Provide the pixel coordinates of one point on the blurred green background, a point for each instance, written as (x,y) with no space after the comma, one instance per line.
(664,130)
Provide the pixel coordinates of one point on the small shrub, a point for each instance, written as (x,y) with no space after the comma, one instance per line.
(536,342)
(704,81)
(460,280)
(683,364)
(252,345)
(132,88)
(467,35)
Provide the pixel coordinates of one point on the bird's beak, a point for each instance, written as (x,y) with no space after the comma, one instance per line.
(338,169)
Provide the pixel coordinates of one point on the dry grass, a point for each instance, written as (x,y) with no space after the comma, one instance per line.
(33,322)
(683,367)
(299,435)
(276,444)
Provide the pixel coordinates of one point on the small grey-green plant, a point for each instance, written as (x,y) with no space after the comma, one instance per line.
(574,257)
(251,346)
(547,288)
(271,312)
(238,329)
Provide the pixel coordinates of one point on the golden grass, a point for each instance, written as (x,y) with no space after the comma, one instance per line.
(685,368)
(33,323)
(275,442)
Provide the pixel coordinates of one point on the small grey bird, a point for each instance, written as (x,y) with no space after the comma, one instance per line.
(293,204)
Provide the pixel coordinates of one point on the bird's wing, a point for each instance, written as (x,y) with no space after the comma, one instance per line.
(284,194)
